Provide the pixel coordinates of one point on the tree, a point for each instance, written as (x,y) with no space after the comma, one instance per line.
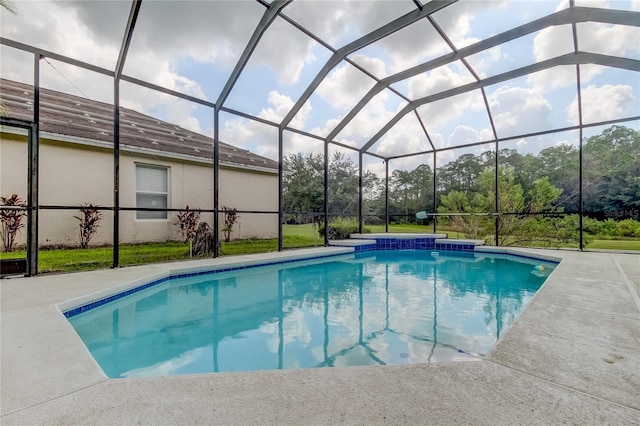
(514,228)
(543,196)
(560,165)
(612,170)
(400,184)
(343,185)
(303,183)
(411,191)
(461,174)
(458,202)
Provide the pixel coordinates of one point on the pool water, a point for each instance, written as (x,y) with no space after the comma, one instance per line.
(371,308)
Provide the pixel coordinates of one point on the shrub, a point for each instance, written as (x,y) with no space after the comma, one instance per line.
(341,228)
(628,228)
(592,226)
(609,228)
(230,217)
(89,219)
(203,240)
(188,221)
(11,220)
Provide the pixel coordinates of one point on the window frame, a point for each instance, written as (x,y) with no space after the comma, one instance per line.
(139,191)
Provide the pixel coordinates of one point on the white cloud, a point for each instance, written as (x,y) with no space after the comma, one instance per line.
(341,21)
(92,32)
(262,138)
(375,66)
(405,137)
(327,22)
(437,114)
(438,80)
(615,40)
(412,45)
(603,103)
(281,105)
(592,37)
(368,121)
(550,43)
(481,62)
(456,19)
(464,135)
(344,87)
(286,50)
(518,110)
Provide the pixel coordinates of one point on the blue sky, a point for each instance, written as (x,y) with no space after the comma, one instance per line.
(192,47)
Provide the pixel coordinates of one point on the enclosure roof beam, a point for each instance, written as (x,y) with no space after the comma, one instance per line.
(128,34)
(55,56)
(366,40)
(267,19)
(563,17)
(512,138)
(171,92)
(568,59)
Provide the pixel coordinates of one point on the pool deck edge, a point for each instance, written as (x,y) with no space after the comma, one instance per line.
(573,355)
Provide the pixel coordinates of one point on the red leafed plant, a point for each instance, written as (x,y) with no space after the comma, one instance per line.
(188,221)
(89,219)
(230,217)
(11,220)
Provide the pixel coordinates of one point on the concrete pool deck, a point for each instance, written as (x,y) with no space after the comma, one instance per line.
(573,356)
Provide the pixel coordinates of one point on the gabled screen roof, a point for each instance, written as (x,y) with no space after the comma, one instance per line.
(387,78)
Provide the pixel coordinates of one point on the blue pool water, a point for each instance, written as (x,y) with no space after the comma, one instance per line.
(371,308)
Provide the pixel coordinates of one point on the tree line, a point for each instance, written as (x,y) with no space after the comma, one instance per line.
(546,182)
(611,176)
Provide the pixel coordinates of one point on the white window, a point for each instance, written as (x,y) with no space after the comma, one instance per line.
(152,191)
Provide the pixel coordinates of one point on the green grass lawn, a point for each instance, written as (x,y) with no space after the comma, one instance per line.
(294,236)
(76,259)
(614,244)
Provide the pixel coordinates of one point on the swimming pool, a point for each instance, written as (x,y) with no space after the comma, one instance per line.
(370,308)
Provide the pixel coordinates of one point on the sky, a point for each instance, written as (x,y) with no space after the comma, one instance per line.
(192,47)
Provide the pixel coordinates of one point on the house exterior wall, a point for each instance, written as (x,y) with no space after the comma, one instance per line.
(73,174)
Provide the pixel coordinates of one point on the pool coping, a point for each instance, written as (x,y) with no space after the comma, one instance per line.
(588,373)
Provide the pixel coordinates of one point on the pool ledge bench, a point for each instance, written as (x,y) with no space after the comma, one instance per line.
(385,241)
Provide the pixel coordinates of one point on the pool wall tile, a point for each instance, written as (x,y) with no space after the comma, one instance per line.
(464,248)
(88,306)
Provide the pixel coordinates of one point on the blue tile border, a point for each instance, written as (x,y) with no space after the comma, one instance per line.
(463,250)
(89,306)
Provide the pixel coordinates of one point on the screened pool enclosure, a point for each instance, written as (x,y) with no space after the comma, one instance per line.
(143,131)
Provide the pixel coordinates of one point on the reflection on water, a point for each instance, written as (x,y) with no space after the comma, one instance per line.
(367,309)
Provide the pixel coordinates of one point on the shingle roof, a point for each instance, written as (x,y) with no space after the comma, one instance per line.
(69,115)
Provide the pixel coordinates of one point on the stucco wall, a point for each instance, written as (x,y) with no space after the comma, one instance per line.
(73,175)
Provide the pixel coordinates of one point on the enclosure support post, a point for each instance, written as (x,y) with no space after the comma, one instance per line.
(280,189)
(326,194)
(386,195)
(580,166)
(32,194)
(116,173)
(360,192)
(435,209)
(497,195)
(216,181)
(122,56)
